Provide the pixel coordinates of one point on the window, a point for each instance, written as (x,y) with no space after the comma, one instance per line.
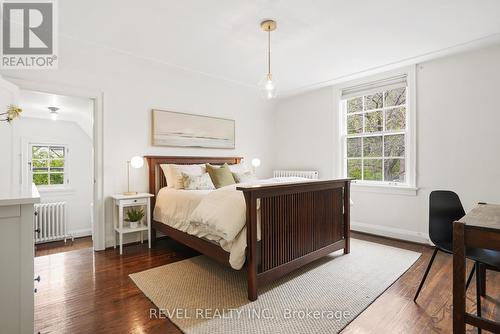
(48,164)
(376,132)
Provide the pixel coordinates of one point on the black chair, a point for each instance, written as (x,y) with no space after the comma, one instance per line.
(445,208)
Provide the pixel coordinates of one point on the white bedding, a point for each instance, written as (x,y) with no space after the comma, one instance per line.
(174,206)
(217,215)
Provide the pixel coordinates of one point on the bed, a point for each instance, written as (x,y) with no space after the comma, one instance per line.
(286,225)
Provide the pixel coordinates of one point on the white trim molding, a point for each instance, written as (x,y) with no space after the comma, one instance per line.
(99,237)
(391,232)
(384,189)
(410,186)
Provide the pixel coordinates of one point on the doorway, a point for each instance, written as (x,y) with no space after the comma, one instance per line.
(96,97)
(56,149)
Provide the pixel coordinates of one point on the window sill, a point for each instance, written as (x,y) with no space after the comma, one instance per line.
(55,190)
(384,189)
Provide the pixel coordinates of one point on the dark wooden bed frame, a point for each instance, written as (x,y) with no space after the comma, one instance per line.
(300,222)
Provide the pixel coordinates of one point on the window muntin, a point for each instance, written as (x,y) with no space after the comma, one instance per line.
(376,136)
(48,164)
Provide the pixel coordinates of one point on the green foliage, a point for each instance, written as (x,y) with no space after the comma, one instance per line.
(135,215)
(380,156)
(354,168)
(355,105)
(48,165)
(354,124)
(41,179)
(372,169)
(57,178)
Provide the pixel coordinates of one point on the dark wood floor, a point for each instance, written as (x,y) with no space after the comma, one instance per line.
(60,246)
(86,292)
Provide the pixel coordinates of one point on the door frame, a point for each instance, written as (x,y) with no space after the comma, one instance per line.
(99,228)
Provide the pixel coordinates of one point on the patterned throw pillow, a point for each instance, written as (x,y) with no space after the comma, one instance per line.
(244,177)
(197,182)
(173,173)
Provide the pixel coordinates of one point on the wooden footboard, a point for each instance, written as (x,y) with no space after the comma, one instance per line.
(299,222)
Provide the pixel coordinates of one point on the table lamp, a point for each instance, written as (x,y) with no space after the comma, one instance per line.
(255,164)
(135,162)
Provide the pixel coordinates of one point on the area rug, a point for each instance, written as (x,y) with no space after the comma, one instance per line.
(201,296)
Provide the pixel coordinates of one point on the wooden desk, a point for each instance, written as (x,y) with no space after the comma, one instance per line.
(479,228)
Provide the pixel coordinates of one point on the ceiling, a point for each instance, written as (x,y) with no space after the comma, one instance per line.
(316,41)
(73,109)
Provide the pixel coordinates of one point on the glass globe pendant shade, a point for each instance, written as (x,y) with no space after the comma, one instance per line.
(268,87)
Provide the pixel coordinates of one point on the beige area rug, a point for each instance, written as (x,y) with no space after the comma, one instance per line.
(201,296)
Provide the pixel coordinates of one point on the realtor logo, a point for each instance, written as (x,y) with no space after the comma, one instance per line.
(28,34)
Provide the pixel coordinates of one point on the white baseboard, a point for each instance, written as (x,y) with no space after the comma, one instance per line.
(391,232)
(80,233)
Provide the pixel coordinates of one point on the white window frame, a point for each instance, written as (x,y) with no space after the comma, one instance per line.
(409,187)
(50,187)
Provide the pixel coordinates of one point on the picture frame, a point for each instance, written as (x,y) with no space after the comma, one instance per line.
(178,129)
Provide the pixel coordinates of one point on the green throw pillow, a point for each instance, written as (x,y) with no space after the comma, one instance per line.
(221,176)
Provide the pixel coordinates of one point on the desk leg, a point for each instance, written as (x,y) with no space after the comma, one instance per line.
(459,278)
(482,275)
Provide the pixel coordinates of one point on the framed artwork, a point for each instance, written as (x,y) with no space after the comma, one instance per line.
(187,130)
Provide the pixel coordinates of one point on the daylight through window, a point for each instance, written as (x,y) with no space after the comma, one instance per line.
(376,131)
(48,164)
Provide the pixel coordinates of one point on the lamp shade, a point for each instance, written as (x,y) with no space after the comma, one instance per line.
(136,162)
(255,162)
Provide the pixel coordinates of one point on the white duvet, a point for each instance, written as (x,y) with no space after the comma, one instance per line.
(217,215)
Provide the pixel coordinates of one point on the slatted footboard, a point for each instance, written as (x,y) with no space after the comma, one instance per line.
(299,223)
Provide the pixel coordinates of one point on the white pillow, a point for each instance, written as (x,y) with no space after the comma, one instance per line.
(244,177)
(238,168)
(173,173)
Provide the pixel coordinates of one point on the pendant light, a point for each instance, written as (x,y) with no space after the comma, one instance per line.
(267,85)
(53,113)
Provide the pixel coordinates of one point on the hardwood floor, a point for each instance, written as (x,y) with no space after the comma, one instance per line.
(86,292)
(60,246)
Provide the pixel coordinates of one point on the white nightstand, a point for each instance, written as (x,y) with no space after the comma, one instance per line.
(121,201)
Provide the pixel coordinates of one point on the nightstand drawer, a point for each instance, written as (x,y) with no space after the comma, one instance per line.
(134,201)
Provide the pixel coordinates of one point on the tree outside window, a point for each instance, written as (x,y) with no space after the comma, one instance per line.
(376,136)
(48,163)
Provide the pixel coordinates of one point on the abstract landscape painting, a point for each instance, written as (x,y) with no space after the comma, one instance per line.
(186,130)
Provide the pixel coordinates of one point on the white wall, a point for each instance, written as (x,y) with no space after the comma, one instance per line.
(9,94)
(458,117)
(132,86)
(305,132)
(78,193)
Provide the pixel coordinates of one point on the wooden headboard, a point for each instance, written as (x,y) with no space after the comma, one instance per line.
(157,178)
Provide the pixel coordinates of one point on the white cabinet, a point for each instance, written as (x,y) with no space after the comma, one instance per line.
(17,261)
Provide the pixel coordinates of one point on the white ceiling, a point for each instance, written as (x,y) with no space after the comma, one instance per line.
(316,41)
(73,109)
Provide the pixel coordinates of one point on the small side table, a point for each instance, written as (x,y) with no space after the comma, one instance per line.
(120,202)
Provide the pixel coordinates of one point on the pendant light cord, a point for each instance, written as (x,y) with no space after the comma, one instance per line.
(268,52)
